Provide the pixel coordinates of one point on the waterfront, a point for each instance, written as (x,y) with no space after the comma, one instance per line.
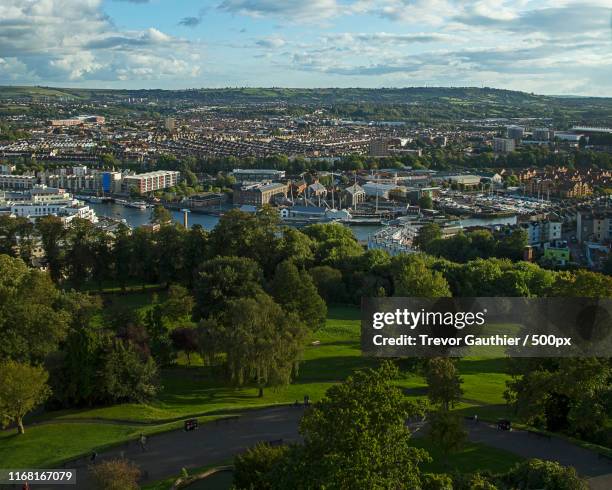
(136,217)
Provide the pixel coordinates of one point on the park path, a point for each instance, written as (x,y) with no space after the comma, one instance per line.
(217,442)
(530,445)
(214,442)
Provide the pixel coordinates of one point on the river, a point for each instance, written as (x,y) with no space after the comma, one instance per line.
(137,217)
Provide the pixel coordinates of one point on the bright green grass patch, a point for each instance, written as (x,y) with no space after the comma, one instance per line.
(473,457)
(48,445)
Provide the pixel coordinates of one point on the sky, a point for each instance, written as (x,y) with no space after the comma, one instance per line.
(543,46)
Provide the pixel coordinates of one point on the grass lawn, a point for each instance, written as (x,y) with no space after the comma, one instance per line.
(48,445)
(197,390)
(43,445)
(473,457)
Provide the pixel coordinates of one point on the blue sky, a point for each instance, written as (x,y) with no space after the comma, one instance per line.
(544,46)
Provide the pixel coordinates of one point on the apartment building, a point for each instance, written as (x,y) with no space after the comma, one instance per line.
(503,145)
(594,225)
(150,181)
(541,232)
(17,182)
(108,182)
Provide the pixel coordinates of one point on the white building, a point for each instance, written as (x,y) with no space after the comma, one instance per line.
(569,137)
(373,189)
(394,240)
(46,201)
(542,232)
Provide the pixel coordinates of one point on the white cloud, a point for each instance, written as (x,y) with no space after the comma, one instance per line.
(72,40)
(551,46)
(546,61)
(292,10)
(271,42)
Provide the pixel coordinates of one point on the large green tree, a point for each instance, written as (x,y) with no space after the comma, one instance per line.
(261,342)
(248,235)
(356,437)
(443,382)
(22,388)
(225,278)
(413,277)
(32,320)
(335,243)
(52,235)
(329,283)
(550,475)
(427,234)
(253,467)
(446,432)
(160,215)
(295,291)
(126,376)
(565,394)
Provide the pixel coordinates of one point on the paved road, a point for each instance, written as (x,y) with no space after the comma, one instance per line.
(528,445)
(212,443)
(216,442)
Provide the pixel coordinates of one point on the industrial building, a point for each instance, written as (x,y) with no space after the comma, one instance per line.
(257,175)
(77,121)
(258,194)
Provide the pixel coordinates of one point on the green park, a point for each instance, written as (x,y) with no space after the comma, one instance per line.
(253,329)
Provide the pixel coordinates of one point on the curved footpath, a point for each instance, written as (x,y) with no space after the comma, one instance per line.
(216,442)
(528,445)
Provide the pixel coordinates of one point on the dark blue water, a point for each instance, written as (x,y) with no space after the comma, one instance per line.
(137,217)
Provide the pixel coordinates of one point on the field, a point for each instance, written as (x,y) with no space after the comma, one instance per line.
(196,390)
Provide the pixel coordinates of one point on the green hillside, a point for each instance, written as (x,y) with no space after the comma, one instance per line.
(418,104)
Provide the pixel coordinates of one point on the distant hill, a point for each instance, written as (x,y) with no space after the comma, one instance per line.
(413,103)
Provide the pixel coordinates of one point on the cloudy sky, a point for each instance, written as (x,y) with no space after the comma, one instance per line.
(544,46)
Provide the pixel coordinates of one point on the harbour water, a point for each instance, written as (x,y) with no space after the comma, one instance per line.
(137,217)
